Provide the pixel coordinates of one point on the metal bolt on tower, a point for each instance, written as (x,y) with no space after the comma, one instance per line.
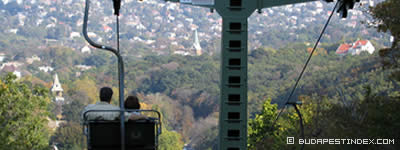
(233,97)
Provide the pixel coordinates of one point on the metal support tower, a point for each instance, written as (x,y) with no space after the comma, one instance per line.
(233,97)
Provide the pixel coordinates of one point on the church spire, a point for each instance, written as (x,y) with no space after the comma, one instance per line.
(57,89)
(56,85)
(196,43)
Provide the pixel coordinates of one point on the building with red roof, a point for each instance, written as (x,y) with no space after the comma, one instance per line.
(356,48)
(107,28)
(343,49)
(362,45)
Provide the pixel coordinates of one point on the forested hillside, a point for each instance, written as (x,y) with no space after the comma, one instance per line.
(185,88)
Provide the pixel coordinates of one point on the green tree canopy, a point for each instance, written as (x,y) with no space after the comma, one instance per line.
(262,134)
(69,136)
(387,15)
(170,140)
(23,115)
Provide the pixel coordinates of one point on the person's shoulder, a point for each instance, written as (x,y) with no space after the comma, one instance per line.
(112,106)
(89,106)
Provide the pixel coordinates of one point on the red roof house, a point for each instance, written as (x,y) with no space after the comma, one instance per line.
(356,48)
(343,49)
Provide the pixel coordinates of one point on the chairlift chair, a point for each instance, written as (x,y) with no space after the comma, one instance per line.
(140,134)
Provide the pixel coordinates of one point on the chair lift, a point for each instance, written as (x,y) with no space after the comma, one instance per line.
(139,134)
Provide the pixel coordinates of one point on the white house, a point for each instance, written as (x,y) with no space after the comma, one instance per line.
(92,34)
(2,56)
(183,53)
(13,31)
(83,67)
(46,68)
(362,45)
(18,74)
(355,48)
(86,49)
(74,34)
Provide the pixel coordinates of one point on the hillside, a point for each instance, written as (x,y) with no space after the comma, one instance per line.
(162,28)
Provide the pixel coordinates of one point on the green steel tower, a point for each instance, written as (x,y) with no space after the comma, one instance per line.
(233,97)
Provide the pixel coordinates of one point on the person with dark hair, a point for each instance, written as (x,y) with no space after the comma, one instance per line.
(106,94)
(104,104)
(132,102)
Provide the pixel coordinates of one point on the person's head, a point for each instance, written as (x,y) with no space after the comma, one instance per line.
(106,94)
(132,102)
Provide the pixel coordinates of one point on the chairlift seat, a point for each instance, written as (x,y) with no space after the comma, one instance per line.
(139,135)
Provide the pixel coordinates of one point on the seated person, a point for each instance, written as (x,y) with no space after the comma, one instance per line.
(132,102)
(104,104)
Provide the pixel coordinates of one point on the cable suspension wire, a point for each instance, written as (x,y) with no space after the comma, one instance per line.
(300,76)
(306,64)
(117,18)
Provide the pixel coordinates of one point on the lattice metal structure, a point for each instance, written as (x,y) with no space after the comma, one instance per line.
(233,97)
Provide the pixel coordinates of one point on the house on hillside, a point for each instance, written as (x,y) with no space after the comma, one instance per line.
(343,49)
(86,49)
(355,48)
(362,45)
(8,68)
(46,68)
(107,28)
(74,35)
(30,60)
(14,64)
(2,56)
(17,73)
(83,67)
(183,53)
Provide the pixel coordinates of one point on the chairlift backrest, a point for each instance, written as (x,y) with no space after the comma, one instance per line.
(105,135)
(141,134)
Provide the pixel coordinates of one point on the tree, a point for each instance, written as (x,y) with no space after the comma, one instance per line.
(170,140)
(387,16)
(204,133)
(374,116)
(75,104)
(261,132)
(69,136)
(23,119)
(87,86)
